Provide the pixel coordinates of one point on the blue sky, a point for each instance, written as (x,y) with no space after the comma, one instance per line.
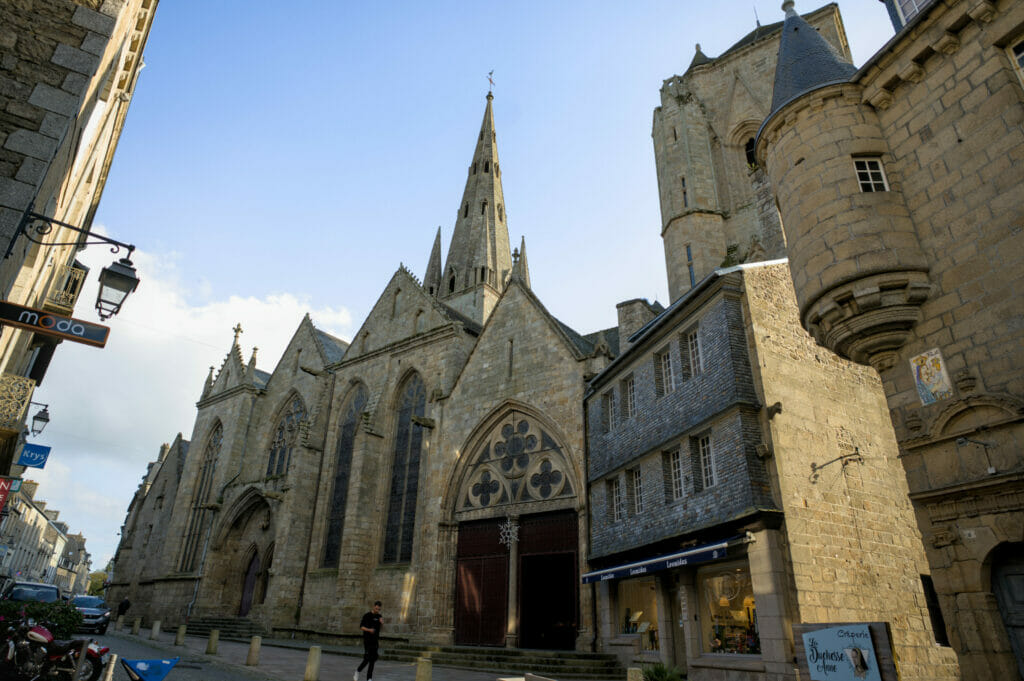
(280,158)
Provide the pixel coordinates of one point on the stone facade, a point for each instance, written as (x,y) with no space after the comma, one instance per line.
(801,488)
(402,449)
(921,279)
(68,70)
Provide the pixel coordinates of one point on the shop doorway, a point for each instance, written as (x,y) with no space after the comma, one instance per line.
(1008,586)
(548,581)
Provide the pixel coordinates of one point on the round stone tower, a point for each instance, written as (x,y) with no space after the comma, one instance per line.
(858,269)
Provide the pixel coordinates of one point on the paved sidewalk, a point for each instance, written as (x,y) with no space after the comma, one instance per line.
(285,660)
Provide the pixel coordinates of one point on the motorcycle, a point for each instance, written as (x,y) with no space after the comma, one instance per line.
(30,653)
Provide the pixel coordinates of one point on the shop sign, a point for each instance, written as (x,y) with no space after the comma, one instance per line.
(5,490)
(33,456)
(859,651)
(51,324)
(701,554)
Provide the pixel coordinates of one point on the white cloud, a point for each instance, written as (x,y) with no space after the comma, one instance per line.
(111,408)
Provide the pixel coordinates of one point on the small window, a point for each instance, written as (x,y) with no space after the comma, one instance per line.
(1016,51)
(465,211)
(607,412)
(474,169)
(672,463)
(628,394)
(702,463)
(870,175)
(689,266)
(748,149)
(686,200)
(689,353)
(664,373)
(931,599)
(483,207)
(616,500)
(501,210)
(487,166)
(908,9)
(451,284)
(675,136)
(636,491)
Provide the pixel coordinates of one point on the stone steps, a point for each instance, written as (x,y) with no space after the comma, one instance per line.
(560,664)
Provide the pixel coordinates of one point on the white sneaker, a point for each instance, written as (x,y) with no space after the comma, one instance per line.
(355,676)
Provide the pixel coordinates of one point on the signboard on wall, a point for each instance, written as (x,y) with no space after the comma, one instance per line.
(33,456)
(852,651)
(50,324)
(5,490)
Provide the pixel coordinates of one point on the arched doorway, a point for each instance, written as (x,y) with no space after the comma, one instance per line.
(517,564)
(249,584)
(1008,586)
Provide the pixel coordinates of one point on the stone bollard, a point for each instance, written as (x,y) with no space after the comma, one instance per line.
(179,640)
(313,665)
(634,674)
(155,634)
(211,645)
(119,624)
(253,659)
(423,669)
(108,671)
(136,625)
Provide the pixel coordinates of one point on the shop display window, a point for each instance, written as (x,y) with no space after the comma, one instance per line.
(728,611)
(638,610)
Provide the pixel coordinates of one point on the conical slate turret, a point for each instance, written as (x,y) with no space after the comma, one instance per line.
(806,60)
(432,279)
(480,239)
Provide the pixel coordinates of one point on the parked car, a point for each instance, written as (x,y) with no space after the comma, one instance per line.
(95,613)
(31,591)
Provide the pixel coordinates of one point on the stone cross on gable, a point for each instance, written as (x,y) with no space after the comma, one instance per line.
(238,331)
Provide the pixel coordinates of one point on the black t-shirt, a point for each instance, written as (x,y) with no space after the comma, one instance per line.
(371,620)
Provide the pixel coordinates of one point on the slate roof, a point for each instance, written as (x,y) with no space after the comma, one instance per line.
(262,378)
(334,348)
(806,62)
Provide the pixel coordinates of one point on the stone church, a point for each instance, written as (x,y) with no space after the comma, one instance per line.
(397,467)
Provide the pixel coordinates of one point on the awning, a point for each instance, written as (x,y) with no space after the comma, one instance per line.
(698,554)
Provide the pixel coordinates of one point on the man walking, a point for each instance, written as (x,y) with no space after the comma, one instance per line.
(371,640)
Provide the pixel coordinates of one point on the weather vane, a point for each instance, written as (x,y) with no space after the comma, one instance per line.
(490,79)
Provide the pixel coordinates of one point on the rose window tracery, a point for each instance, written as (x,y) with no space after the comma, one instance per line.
(517,462)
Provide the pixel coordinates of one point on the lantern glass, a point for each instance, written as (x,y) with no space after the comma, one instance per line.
(40,420)
(116,282)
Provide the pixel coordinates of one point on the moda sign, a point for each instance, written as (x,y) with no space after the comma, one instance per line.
(51,324)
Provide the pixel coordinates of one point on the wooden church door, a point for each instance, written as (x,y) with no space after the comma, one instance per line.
(249,586)
(481,585)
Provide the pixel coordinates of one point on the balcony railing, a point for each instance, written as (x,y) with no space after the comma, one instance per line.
(63,294)
(15,394)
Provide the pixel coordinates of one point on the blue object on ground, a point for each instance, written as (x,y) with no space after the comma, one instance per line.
(149,670)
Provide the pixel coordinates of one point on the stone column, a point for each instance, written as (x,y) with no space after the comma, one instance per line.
(512,630)
(768,578)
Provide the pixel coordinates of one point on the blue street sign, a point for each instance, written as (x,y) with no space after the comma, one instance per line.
(149,670)
(33,456)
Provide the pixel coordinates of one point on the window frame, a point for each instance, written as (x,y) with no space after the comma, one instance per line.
(635,480)
(616,500)
(628,392)
(867,177)
(664,377)
(675,480)
(1017,58)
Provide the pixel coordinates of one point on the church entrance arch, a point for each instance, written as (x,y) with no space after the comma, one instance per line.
(516,507)
(249,584)
(240,555)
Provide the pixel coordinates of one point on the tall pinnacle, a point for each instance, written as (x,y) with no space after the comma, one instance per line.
(479,253)
(432,279)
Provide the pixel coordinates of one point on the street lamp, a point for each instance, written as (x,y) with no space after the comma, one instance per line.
(116,281)
(41,418)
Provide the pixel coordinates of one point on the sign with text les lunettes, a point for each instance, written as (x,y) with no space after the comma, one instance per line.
(33,456)
(51,324)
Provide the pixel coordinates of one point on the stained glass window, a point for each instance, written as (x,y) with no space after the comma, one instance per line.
(285,436)
(346,442)
(405,473)
(200,498)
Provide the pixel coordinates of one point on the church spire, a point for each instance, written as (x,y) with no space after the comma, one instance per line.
(479,256)
(432,280)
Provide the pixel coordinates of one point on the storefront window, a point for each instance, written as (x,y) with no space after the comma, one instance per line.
(638,610)
(728,611)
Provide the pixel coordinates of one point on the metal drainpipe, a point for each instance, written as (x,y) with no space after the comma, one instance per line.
(220,499)
(316,501)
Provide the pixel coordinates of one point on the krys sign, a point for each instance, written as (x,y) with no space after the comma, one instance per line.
(51,324)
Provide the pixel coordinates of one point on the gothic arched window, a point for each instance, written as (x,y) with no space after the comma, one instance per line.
(749,151)
(286,434)
(200,498)
(343,465)
(405,473)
